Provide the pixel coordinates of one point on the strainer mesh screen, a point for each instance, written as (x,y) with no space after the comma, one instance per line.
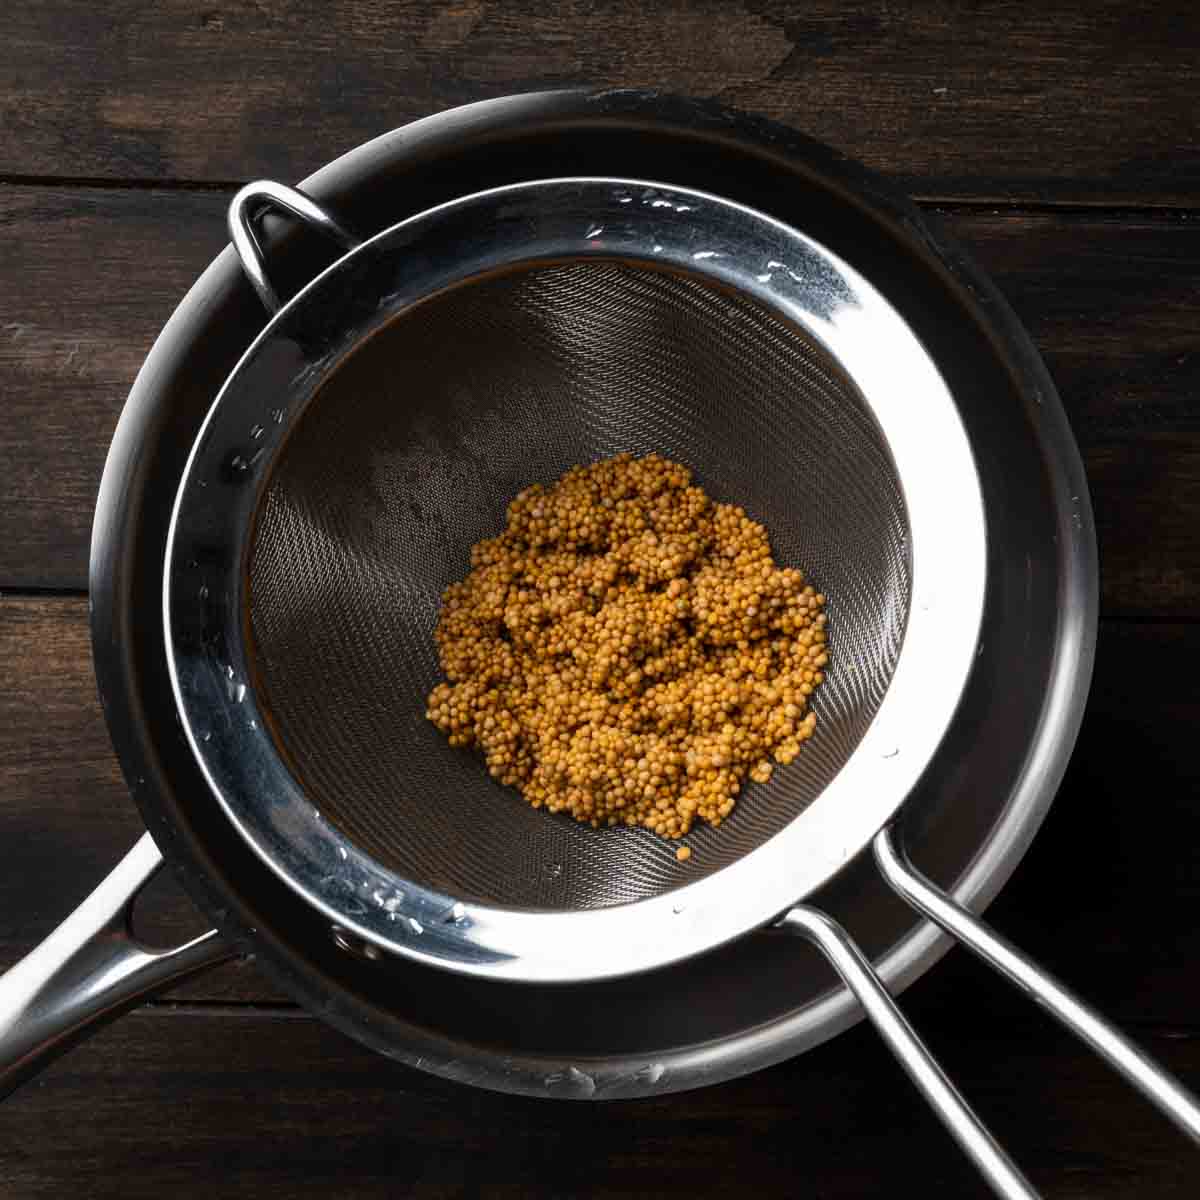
(409,454)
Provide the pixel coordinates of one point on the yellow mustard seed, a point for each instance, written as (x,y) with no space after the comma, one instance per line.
(627,651)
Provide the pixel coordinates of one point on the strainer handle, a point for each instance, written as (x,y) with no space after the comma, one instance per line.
(1109,1043)
(947,1102)
(254,199)
(89,970)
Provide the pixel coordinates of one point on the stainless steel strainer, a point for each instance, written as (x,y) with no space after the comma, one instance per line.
(391,474)
(376,428)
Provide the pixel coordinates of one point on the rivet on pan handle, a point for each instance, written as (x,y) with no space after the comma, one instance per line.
(250,203)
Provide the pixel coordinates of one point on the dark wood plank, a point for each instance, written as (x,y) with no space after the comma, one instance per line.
(241,1106)
(1106,897)
(93,273)
(87,285)
(1094,102)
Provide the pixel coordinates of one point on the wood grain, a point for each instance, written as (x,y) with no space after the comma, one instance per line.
(92,274)
(1107,895)
(1055,101)
(123,128)
(85,288)
(191,1103)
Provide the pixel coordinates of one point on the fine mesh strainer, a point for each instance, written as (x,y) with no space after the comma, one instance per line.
(375,429)
(393,472)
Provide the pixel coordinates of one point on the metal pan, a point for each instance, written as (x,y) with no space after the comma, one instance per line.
(967,823)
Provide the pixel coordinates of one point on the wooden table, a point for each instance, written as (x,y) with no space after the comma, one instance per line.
(1060,142)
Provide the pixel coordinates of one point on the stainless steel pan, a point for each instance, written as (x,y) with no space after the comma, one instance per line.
(338,966)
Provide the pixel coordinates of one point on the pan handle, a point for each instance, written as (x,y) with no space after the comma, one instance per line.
(1138,1067)
(89,970)
(250,203)
(947,1102)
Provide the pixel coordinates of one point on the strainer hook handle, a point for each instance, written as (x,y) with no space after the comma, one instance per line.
(1156,1084)
(89,970)
(1006,1180)
(993,1163)
(254,199)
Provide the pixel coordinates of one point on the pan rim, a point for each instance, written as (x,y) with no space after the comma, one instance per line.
(257,917)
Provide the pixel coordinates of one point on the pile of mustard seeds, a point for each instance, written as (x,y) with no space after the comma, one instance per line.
(627,651)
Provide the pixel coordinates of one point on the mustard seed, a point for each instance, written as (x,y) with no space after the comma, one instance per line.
(627,650)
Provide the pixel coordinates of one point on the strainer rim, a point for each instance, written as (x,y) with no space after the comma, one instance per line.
(945,612)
